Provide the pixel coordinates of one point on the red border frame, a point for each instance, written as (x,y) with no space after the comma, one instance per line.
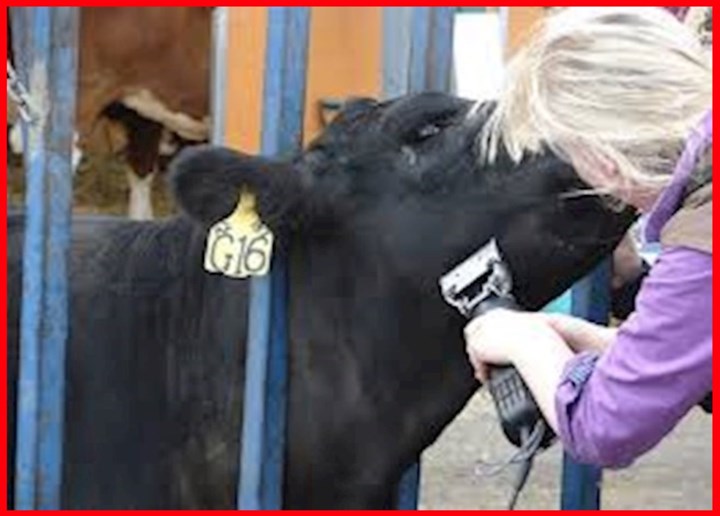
(3,229)
(3,325)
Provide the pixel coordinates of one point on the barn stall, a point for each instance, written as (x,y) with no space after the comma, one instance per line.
(424,37)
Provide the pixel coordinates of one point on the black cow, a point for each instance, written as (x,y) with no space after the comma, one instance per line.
(370,215)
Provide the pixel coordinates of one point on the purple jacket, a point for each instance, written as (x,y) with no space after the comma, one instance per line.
(614,407)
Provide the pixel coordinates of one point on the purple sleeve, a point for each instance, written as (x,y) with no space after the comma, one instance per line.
(657,369)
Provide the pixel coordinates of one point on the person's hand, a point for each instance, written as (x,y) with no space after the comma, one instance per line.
(627,263)
(578,334)
(504,336)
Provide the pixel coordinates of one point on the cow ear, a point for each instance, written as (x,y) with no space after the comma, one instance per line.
(206,182)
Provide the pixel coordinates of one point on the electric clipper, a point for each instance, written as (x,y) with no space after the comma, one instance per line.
(479,284)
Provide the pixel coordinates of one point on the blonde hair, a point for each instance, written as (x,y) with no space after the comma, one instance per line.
(620,85)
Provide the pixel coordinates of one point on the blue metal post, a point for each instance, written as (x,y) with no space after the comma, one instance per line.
(219,73)
(409,489)
(263,433)
(396,50)
(51,57)
(581,482)
(431,49)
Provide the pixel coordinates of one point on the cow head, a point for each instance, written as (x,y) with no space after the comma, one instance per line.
(371,214)
(402,180)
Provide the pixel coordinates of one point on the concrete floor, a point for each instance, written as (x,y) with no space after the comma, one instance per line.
(676,475)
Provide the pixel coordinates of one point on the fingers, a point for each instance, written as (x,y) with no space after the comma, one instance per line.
(473,336)
(498,337)
(479,367)
(481,373)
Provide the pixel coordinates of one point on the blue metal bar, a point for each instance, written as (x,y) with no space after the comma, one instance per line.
(263,433)
(591,295)
(52,65)
(218,73)
(580,486)
(431,49)
(408,490)
(396,50)
(581,482)
(276,402)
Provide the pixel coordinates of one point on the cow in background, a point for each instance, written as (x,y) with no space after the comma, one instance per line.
(148,70)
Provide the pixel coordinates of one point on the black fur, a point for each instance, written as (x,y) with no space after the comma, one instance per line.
(377,208)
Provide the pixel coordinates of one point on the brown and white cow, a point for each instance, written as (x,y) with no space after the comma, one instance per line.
(146,69)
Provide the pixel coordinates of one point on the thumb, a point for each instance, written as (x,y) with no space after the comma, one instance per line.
(481,373)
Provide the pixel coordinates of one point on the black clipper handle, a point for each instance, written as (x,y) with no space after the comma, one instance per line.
(515,405)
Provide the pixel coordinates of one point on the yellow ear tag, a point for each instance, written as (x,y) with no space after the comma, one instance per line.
(240,245)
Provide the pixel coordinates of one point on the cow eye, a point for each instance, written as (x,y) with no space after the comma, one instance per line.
(430,129)
(427,131)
